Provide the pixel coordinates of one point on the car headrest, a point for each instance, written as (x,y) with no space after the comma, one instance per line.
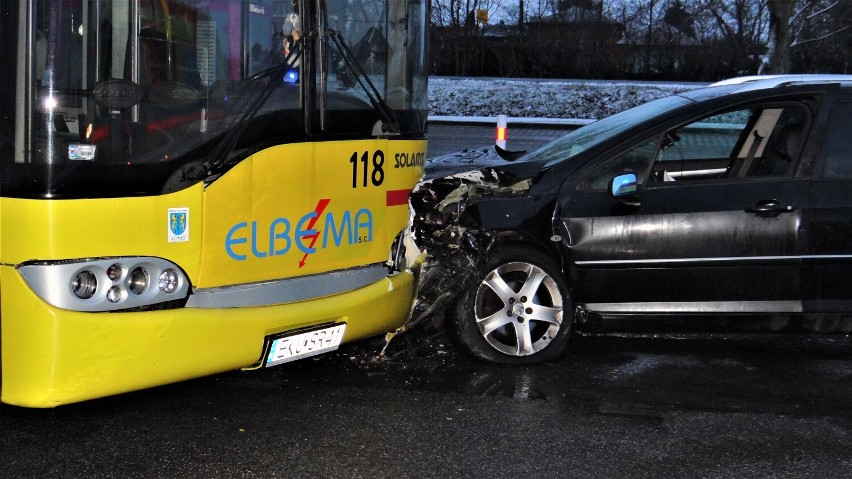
(789,141)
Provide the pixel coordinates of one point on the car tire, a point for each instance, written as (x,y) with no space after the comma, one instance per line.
(515,325)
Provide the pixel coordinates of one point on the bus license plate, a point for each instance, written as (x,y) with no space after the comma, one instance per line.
(305,345)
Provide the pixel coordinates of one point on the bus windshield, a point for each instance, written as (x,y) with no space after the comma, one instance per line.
(116,98)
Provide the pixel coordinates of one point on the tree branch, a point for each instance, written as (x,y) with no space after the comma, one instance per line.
(811,40)
(822,11)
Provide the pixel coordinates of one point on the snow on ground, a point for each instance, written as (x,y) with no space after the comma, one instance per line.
(541,99)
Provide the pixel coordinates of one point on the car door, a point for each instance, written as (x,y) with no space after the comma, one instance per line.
(827,263)
(714,229)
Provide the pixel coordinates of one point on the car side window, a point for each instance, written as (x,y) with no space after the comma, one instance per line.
(838,141)
(636,160)
(701,149)
(761,141)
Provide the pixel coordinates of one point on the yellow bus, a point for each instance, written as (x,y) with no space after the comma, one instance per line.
(194,186)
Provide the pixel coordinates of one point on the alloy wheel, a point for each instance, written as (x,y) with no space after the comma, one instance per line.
(518,309)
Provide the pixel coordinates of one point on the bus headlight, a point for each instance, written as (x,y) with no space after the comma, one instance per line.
(137,281)
(168,281)
(109,284)
(84,285)
(114,294)
(115,272)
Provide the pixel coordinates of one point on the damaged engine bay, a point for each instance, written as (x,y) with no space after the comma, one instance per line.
(448,228)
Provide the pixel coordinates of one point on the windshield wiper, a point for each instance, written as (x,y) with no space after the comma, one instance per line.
(388,115)
(390,121)
(219,157)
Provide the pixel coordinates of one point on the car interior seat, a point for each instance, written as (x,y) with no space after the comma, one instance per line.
(782,152)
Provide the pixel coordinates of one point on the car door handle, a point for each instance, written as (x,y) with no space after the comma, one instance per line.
(770,208)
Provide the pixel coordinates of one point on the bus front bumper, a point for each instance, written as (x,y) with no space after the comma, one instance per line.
(52,357)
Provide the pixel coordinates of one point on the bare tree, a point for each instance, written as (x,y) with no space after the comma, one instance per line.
(735,30)
(532,9)
(657,32)
(678,39)
(455,25)
(825,41)
(446,13)
(822,36)
(777,58)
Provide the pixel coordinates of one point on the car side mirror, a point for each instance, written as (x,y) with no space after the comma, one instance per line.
(625,188)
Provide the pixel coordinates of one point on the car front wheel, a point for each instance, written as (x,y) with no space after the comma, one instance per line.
(518,311)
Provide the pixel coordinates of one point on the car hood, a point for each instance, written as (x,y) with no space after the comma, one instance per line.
(478,160)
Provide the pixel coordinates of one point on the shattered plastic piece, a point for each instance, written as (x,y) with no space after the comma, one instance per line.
(413,256)
(453,252)
(454,197)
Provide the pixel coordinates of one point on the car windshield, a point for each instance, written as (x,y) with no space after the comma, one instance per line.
(582,139)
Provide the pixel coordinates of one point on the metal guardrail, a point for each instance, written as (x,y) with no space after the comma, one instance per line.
(560,123)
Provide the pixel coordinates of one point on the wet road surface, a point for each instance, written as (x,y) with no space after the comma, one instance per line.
(612,407)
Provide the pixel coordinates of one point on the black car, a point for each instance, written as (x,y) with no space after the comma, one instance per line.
(725,208)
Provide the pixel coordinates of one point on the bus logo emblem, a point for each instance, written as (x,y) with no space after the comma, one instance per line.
(178,225)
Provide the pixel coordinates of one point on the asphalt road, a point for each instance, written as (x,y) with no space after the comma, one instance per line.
(449,138)
(612,407)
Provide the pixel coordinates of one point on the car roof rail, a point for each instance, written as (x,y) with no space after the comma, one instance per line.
(759,82)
